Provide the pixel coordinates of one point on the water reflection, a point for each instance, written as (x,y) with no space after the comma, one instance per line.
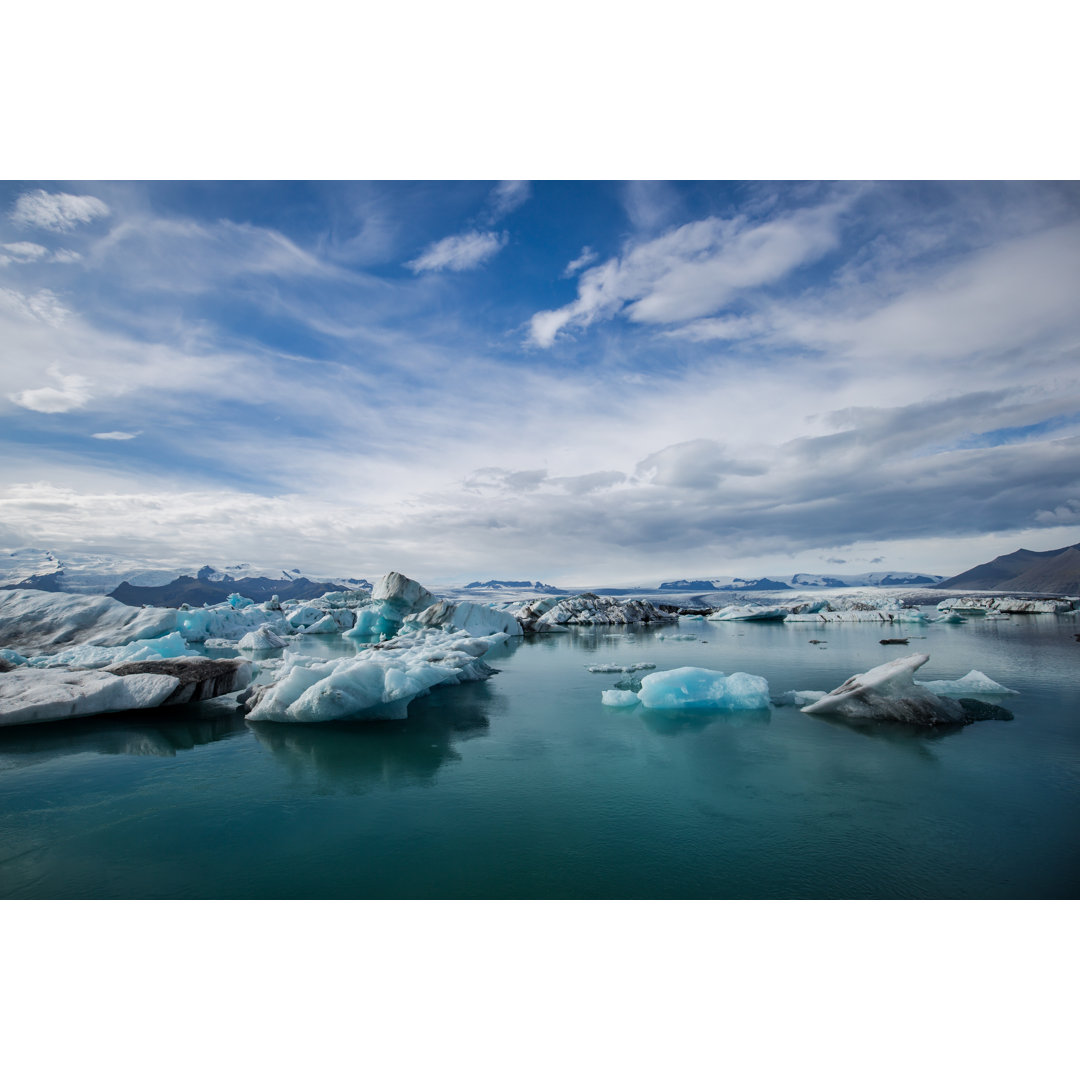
(142,732)
(680,721)
(360,756)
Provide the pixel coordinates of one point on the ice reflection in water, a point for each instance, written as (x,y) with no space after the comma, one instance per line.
(143,733)
(356,757)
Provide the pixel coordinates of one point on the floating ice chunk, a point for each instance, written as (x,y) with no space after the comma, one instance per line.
(378,683)
(749,612)
(225,621)
(400,596)
(326,625)
(974,682)
(262,639)
(99,656)
(1006,605)
(30,696)
(478,619)
(799,697)
(235,600)
(889,692)
(613,669)
(701,688)
(951,617)
(619,699)
(10,656)
(587,609)
(677,637)
(35,621)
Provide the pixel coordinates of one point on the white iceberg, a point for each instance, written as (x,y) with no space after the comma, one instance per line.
(262,639)
(749,613)
(377,683)
(619,699)
(477,619)
(702,688)
(31,696)
(614,669)
(32,621)
(889,692)
(974,682)
(99,656)
(586,609)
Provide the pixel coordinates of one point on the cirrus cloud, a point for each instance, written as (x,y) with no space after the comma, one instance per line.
(462,252)
(59,212)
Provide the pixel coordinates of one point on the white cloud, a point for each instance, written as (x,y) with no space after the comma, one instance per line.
(23,251)
(58,212)
(586,258)
(462,252)
(66,256)
(42,306)
(507,196)
(117,436)
(72,392)
(694,270)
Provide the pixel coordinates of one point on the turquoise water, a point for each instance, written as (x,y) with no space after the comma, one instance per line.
(526,786)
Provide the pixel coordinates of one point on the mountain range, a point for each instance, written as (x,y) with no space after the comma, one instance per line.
(1023,571)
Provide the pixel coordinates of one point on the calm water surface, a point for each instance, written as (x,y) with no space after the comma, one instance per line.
(526,786)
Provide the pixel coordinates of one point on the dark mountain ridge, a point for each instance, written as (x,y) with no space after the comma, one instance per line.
(1056,571)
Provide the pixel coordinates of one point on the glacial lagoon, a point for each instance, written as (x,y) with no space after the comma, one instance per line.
(526,786)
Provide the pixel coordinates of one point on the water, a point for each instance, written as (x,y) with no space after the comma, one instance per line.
(526,786)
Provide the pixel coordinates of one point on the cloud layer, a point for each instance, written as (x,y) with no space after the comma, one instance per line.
(733,379)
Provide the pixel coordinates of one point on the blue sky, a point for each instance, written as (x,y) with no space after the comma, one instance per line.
(578,381)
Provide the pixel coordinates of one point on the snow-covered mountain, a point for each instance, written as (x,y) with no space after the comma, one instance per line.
(881,578)
(143,582)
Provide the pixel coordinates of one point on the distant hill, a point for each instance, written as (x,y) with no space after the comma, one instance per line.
(535,586)
(199,590)
(800,581)
(1056,571)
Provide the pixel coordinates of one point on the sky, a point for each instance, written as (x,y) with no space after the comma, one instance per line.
(580,382)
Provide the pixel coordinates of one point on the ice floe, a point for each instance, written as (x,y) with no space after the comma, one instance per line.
(100,656)
(749,613)
(614,669)
(33,696)
(586,609)
(619,699)
(695,688)
(1006,605)
(974,682)
(36,695)
(889,692)
(262,640)
(478,619)
(32,621)
(377,683)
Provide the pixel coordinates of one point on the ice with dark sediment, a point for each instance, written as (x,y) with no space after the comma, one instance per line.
(889,692)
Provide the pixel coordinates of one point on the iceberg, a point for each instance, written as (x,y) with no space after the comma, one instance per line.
(198,678)
(262,639)
(702,688)
(100,656)
(378,683)
(477,619)
(586,609)
(749,613)
(974,682)
(614,669)
(1006,605)
(889,692)
(619,699)
(32,621)
(29,696)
